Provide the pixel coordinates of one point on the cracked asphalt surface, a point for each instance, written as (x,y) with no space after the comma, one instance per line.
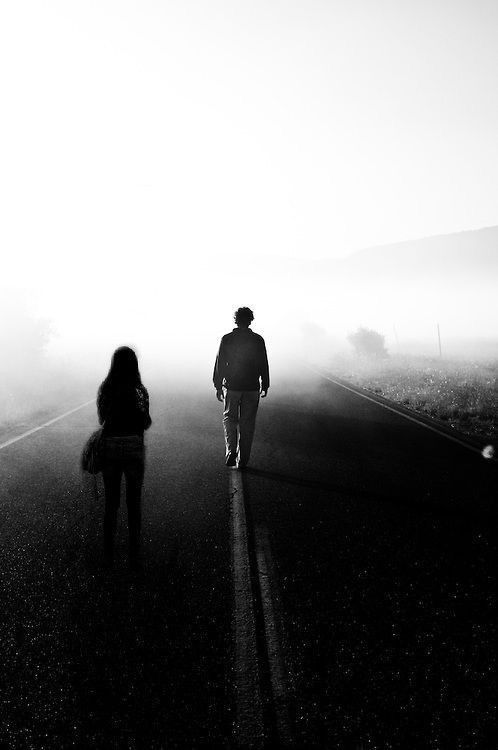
(382,539)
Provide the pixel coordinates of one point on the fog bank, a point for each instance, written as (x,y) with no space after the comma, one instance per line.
(60,333)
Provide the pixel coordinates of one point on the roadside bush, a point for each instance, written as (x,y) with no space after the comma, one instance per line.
(367,342)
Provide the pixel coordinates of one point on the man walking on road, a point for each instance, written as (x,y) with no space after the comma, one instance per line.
(241,369)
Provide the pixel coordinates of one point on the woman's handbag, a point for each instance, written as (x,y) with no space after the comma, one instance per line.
(92,458)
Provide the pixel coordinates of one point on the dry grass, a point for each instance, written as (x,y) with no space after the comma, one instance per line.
(461,393)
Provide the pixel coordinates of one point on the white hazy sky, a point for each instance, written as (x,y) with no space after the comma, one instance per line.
(160,132)
(291,128)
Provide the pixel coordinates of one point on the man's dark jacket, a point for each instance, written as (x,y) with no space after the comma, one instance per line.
(241,362)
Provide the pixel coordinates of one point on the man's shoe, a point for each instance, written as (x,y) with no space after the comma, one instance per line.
(231,460)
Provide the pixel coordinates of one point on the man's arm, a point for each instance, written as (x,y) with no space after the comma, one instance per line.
(265,372)
(218,373)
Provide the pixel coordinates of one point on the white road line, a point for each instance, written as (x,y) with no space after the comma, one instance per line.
(42,426)
(248,729)
(278,675)
(453,438)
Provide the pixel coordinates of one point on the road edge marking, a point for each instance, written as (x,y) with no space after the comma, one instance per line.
(248,727)
(410,418)
(46,424)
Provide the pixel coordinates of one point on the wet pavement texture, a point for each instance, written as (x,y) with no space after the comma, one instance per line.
(382,536)
(96,658)
(382,539)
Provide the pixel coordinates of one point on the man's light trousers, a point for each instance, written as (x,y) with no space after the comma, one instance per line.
(239,420)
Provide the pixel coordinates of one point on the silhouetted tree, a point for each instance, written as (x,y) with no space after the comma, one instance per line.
(368,343)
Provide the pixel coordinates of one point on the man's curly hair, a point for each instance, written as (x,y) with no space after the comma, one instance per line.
(243,315)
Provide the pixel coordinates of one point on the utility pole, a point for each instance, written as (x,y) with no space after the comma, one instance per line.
(439,340)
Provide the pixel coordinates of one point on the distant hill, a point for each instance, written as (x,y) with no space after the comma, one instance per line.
(401,290)
(410,286)
(462,255)
(472,254)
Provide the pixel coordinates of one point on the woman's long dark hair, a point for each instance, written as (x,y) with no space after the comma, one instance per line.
(123,371)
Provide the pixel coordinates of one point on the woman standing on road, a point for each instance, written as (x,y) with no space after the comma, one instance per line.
(123,409)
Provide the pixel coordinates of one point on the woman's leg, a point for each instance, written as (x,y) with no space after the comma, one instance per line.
(112,487)
(134,474)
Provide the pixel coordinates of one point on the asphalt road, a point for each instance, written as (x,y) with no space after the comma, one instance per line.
(380,564)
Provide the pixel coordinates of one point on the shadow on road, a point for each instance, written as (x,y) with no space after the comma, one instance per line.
(313,484)
(430,505)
